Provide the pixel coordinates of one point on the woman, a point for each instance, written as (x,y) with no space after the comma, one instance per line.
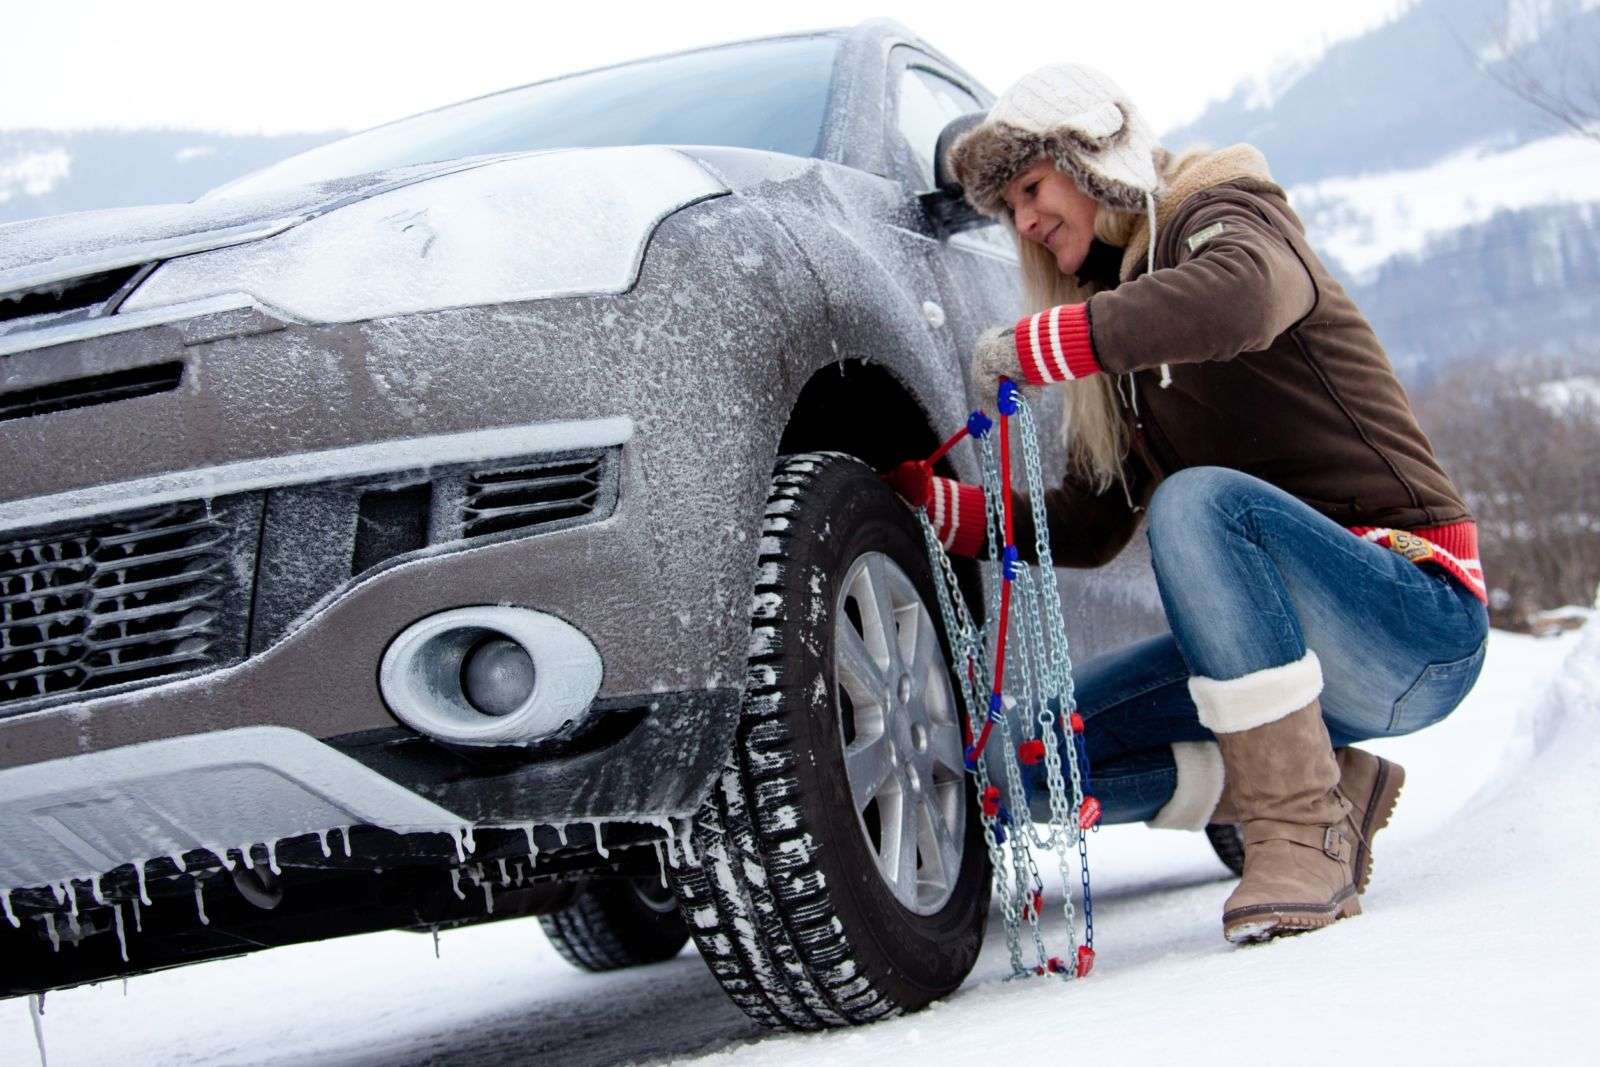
(1317,568)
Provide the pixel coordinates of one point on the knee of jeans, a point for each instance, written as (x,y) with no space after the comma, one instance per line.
(1190,505)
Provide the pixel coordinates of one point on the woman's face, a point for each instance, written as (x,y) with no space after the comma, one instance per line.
(1049,209)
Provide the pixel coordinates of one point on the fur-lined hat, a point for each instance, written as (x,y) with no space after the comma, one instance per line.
(1076,117)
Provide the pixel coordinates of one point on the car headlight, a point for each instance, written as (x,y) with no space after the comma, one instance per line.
(563,223)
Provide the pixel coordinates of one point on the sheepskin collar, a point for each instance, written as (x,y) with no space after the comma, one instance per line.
(1185,175)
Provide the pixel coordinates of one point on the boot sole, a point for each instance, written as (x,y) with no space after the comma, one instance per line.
(1379,807)
(1263,922)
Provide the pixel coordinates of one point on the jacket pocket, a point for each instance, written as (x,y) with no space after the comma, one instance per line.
(1436,692)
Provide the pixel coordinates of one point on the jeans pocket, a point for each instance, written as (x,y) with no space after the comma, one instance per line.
(1436,692)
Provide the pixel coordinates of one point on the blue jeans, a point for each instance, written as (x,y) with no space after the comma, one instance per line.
(1251,578)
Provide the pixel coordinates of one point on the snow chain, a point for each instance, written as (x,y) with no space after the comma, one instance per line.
(1039,702)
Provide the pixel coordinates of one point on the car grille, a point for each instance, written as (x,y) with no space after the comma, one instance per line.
(528,497)
(121,600)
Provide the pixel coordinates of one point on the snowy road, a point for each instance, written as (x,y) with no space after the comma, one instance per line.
(1479,945)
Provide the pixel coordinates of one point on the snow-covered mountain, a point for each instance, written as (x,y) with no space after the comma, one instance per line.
(1463,218)
(51,172)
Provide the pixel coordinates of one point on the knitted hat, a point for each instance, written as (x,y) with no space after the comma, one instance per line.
(1080,120)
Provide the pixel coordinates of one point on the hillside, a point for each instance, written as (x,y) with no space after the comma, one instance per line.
(1462,218)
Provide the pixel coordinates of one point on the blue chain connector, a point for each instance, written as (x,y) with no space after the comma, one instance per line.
(1009,560)
(1007,400)
(978,425)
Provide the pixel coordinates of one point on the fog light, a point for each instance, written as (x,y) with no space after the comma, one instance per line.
(497,676)
(490,675)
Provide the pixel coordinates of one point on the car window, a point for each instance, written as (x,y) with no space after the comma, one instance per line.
(928,102)
(770,95)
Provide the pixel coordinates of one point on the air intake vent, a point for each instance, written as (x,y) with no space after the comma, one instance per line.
(121,601)
(530,496)
(74,294)
(87,392)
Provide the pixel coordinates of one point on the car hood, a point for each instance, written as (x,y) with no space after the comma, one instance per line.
(40,252)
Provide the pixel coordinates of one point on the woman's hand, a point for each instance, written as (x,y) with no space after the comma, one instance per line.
(1052,346)
(955,509)
(995,357)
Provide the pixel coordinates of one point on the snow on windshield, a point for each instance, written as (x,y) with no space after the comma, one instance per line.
(769,95)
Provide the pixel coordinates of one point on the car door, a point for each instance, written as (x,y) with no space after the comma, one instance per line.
(976,269)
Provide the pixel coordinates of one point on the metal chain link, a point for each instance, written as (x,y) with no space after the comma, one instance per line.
(1038,706)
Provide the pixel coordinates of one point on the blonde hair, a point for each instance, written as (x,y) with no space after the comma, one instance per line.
(1092,429)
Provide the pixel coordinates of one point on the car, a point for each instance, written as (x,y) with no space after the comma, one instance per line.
(476,517)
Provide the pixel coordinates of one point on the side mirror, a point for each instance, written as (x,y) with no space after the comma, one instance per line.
(945,205)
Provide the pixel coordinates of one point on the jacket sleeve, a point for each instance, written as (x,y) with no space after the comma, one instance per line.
(1087,528)
(1235,286)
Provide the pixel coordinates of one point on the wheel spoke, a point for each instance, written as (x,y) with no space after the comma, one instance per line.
(867,767)
(941,850)
(944,746)
(878,579)
(905,874)
(927,662)
(858,671)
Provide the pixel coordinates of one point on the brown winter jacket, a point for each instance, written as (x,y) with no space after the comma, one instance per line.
(1274,372)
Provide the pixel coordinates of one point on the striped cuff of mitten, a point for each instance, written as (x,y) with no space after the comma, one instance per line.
(958,517)
(1055,346)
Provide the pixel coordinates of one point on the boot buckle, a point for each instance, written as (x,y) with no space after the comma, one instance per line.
(1334,844)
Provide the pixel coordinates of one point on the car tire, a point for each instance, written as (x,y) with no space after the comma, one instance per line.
(784,888)
(1227,841)
(614,923)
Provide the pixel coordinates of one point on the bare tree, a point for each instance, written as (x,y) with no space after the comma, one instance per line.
(1555,67)
(1522,442)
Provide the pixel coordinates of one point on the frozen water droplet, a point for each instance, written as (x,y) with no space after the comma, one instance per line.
(561,833)
(688,847)
(272,857)
(505,875)
(344,840)
(661,863)
(144,890)
(122,934)
(533,847)
(50,929)
(322,839)
(36,1013)
(200,904)
(455,883)
(598,846)
(97,890)
(11,915)
(488,897)
(138,918)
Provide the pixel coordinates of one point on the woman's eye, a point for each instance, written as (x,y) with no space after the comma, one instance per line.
(1029,188)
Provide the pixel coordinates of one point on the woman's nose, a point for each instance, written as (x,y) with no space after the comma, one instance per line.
(1028,223)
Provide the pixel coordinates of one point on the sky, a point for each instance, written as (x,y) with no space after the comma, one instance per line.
(294,65)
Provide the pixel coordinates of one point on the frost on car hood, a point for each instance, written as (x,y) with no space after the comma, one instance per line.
(128,235)
(554,224)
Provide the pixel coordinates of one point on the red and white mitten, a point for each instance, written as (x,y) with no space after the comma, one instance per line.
(959,520)
(955,509)
(1051,346)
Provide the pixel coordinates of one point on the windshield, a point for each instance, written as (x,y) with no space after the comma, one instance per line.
(767,94)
